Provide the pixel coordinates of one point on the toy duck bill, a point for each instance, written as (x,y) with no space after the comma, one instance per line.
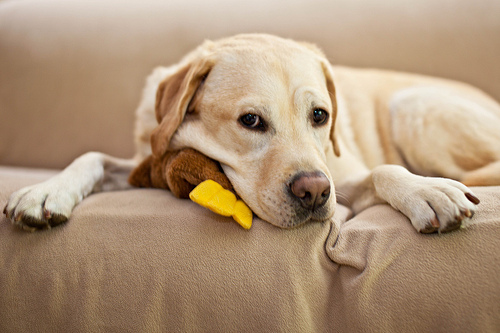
(213,196)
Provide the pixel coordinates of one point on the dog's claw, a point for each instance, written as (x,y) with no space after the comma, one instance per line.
(472,198)
(432,227)
(468,213)
(435,222)
(18,217)
(47,214)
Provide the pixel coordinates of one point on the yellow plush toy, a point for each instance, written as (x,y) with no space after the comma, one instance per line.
(213,196)
(188,173)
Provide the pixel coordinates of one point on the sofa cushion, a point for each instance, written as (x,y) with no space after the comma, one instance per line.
(144,261)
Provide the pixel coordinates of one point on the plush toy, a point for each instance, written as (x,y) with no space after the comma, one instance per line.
(213,196)
(189,174)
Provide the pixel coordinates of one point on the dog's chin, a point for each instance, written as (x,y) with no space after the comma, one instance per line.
(300,218)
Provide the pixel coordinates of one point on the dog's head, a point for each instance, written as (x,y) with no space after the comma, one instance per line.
(264,107)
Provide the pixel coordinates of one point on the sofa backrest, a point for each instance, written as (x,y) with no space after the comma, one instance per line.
(71,72)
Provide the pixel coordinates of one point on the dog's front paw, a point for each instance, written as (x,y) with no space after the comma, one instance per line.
(439,205)
(39,206)
(432,204)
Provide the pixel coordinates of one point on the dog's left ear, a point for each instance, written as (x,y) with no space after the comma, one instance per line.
(172,101)
(331,90)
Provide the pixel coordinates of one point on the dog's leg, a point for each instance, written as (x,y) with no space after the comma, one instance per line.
(432,204)
(445,133)
(488,175)
(50,203)
(439,132)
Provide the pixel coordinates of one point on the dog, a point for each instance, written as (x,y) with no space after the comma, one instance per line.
(285,126)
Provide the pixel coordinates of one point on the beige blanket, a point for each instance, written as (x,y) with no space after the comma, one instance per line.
(144,261)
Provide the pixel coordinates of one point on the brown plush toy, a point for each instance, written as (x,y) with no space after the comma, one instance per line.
(189,174)
(178,171)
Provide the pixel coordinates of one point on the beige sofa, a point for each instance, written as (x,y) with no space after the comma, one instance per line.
(71,74)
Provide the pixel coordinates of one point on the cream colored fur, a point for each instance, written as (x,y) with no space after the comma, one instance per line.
(381,125)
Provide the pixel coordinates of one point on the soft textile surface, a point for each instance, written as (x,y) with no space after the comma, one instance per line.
(144,261)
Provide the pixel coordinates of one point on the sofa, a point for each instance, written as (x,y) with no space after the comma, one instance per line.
(141,260)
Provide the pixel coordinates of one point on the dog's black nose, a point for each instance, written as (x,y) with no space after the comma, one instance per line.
(311,188)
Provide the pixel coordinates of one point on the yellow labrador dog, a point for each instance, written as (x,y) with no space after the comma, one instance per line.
(286,126)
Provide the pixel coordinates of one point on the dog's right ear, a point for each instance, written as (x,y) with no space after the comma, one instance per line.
(172,101)
(330,85)
(331,90)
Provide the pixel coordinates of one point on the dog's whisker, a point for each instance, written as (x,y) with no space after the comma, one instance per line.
(343,198)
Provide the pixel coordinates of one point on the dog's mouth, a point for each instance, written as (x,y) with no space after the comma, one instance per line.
(302,218)
(290,214)
(292,224)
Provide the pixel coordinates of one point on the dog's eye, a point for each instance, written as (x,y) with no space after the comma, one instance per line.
(252,121)
(319,116)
